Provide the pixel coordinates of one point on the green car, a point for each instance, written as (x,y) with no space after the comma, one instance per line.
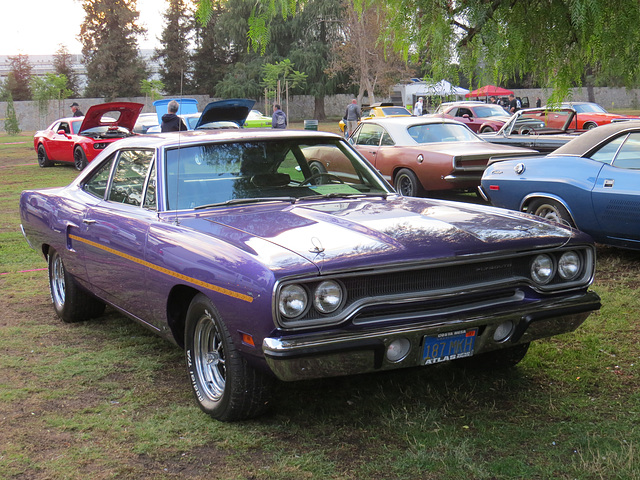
(256,119)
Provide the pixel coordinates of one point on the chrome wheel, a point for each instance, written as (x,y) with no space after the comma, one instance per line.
(209,357)
(551,210)
(58,288)
(407,184)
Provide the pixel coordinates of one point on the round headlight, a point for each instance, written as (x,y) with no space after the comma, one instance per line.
(327,296)
(542,269)
(293,301)
(569,265)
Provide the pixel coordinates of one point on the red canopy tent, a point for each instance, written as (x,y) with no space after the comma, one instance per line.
(489,90)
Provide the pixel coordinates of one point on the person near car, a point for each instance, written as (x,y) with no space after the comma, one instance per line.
(171,122)
(75,109)
(279,118)
(352,116)
(538,103)
(514,104)
(493,100)
(417,108)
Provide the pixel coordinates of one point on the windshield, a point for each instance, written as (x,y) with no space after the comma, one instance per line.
(276,170)
(490,111)
(105,130)
(442,132)
(388,111)
(588,108)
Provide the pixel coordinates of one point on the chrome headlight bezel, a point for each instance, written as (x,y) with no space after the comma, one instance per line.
(328,296)
(293,301)
(570,265)
(543,269)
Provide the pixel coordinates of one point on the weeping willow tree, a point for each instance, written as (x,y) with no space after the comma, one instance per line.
(557,43)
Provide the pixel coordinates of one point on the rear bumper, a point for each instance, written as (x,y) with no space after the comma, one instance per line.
(328,354)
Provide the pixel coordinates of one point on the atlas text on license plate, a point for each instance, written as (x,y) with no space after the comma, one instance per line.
(449,346)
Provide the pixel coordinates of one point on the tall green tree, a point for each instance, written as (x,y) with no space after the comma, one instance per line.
(18,81)
(63,65)
(558,43)
(211,58)
(11,125)
(174,55)
(109,48)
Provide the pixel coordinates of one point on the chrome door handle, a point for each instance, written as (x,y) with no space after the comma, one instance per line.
(88,222)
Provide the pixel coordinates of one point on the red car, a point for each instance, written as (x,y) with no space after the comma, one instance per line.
(590,115)
(81,139)
(478,116)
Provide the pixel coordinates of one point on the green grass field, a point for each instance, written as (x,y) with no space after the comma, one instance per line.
(106,399)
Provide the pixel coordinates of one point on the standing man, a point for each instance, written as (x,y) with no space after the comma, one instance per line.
(514,104)
(279,118)
(352,117)
(75,108)
(171,122)
(417,108)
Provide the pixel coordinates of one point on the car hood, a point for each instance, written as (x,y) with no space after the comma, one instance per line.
(230,110)
(348,234)
(126,114)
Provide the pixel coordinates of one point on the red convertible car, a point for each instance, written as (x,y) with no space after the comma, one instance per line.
(81,139)
(480,117)
(590,115)
(422,154)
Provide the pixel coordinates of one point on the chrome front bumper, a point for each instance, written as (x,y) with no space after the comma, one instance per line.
(317,355)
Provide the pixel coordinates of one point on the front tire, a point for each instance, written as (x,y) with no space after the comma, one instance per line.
(43,159)
(226,387)
(551,210)
(79,158)
(71,303)
(407,184)
(590,126)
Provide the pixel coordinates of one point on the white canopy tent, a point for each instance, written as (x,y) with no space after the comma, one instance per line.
(442,89)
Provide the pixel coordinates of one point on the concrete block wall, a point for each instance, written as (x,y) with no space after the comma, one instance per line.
(300,107)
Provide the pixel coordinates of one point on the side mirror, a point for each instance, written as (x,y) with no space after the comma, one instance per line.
(62,132)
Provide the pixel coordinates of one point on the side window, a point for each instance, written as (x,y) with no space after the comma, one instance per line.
(464,111)
(629,155)
(606,153)
(150,193)
(386,139)
(97,184)
(369,134)
(291,167)
(129,176)
(64,126)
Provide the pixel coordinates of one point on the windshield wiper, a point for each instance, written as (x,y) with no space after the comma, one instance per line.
(344,195)
(240,201)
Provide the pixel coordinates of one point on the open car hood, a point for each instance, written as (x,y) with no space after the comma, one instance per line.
(125,113)
(230,110)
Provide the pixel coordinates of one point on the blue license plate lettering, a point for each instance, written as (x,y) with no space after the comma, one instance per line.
(449,346)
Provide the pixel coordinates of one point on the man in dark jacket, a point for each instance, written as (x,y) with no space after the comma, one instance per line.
(172,122)
(279,118)
(75,109)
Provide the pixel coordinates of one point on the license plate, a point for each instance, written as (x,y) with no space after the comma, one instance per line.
(449,346)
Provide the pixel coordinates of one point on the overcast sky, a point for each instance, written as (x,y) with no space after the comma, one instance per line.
(38,27)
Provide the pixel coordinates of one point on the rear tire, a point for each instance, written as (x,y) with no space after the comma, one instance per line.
(43,159)
(487,130)
(79,158)
(551,210)
(71,302)
(407,184)
(226,387)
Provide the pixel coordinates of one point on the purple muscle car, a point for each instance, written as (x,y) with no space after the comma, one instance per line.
(264,260)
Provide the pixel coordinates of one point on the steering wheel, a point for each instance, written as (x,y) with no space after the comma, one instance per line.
(526,131)
(316,176)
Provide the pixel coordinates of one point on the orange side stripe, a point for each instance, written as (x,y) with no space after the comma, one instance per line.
(195,281)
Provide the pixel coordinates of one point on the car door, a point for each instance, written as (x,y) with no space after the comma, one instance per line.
(616,196)
(116,228)
(465,115)
(61,145)
(367,140)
